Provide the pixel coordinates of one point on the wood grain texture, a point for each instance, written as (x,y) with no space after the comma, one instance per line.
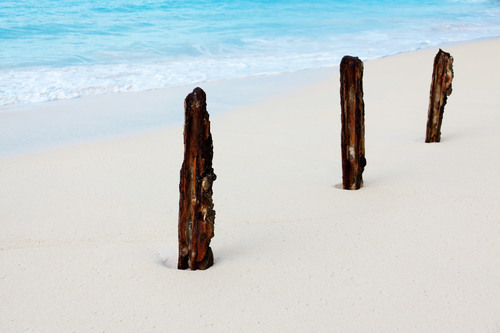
(353,123)
(442,76)
(196,209)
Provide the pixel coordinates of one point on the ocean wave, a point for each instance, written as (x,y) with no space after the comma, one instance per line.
(41,84)
(45,84)
(57,51)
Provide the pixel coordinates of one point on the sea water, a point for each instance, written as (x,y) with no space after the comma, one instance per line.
(58,49)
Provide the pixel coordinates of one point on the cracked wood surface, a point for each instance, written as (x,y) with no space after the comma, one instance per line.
(196,213)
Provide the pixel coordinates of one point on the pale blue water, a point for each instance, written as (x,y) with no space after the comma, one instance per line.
(52,49)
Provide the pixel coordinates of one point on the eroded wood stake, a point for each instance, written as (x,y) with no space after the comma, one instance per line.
(196,209)
(353,122)
(442,75)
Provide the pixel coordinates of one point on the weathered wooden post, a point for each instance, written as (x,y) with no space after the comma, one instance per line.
(353,123)
(196,209)
(442,75)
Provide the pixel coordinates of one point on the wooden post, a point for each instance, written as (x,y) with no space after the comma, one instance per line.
(196,213)
(353,123)
(442,76)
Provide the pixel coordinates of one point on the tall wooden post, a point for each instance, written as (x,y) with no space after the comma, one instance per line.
(442,75)
(196,209)
(353,122)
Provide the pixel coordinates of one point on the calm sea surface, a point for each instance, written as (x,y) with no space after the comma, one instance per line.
(51,49)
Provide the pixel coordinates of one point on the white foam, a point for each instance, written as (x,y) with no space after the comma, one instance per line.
(46,84)
(39,84)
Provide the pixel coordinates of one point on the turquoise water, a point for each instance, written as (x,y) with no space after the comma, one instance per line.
(53,49)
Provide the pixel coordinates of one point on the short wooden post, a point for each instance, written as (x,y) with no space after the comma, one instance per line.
(353,122)
(442,76)
(196,213)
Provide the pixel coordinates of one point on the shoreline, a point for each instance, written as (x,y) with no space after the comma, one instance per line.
(38,127)
(89,231)
(22,106)
(50,125)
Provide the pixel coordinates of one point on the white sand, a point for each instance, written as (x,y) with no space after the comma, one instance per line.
(88,239)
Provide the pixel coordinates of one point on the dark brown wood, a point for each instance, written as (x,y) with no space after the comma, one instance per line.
(196,208)
(442,75)
(353,123)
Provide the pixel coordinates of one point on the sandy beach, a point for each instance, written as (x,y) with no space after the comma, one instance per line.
(88,238)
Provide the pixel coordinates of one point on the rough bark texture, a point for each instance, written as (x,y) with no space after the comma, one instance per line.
(196,213)
(353,123)
(442,76)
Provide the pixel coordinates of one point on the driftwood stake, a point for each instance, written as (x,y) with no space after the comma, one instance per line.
(196,209)
(353,123)
(442,75)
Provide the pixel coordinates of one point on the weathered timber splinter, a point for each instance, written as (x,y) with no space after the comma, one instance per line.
(196,208)
(353,123)
(442,75)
